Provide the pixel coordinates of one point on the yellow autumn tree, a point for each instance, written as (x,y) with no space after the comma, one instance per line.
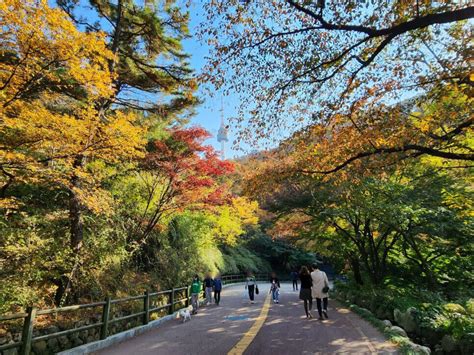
(230,220)
(51,131)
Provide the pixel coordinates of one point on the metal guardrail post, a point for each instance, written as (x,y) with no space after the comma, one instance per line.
(146,307)
(171,301)
(105,319)
(187,296)
(27,333)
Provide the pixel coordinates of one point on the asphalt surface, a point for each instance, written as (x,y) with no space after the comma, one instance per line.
(216,329)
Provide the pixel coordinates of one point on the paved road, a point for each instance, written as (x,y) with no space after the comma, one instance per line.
(216,330)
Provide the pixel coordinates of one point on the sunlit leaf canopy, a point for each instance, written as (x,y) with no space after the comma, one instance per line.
(294,63)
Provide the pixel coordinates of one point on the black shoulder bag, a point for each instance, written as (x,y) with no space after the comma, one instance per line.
(326,287)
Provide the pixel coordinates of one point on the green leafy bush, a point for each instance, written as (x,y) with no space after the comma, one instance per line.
(454,308)
(470,306)
(434,317)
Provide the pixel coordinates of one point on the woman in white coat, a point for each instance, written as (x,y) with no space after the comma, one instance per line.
(320,290)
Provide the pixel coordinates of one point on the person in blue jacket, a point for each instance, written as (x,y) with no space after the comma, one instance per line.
(217,289)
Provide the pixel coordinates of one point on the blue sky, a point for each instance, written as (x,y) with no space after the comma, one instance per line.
(208,114)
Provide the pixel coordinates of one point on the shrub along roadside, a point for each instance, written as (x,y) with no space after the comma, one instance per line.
(406,346)
(447,328)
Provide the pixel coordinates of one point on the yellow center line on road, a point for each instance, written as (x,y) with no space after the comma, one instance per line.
(248,337)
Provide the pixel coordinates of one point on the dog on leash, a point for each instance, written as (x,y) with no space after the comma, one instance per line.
(185,314)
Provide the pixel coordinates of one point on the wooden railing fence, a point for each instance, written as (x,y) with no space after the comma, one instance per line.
(175,302)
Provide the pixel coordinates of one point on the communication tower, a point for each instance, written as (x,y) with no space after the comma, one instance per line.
(223,133)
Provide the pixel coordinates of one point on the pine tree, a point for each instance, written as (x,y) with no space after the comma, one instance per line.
(150,68)
(151,75)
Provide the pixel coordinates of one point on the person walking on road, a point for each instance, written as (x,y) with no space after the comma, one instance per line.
(251,286)
(275,288)
(294,279)
(208,283)
(305,291)
(195,290)
(320,290)
(217,289)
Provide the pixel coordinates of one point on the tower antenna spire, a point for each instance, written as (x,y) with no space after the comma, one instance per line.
(223,134)
(222,111)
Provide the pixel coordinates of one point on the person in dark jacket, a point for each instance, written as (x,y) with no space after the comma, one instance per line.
(294,279)
(275,288)
(217,289)
(305,291)
(251,286)
(207,285)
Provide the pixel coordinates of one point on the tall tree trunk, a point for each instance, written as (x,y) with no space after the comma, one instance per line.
(75,212)
(75,220)
(422,262)
(367,262)
(76,235)
(61,284)
(11,178)
(355,266)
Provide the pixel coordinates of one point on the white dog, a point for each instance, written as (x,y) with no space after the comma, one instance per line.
(185,314)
